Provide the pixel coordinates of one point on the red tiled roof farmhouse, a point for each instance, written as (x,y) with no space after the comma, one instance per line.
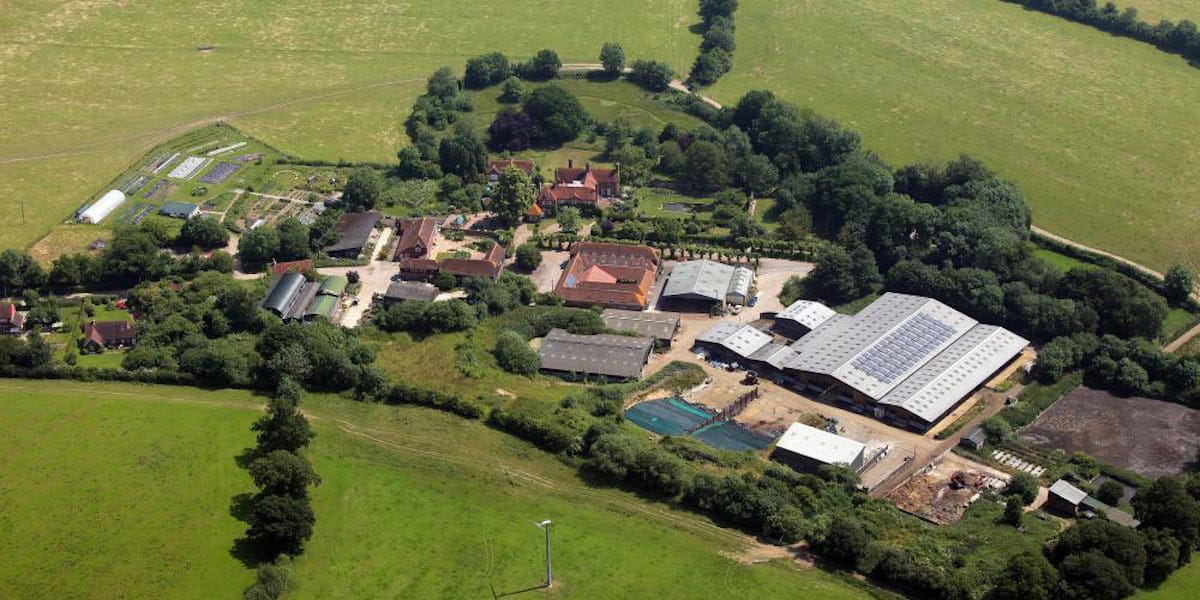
(496,166)
(611,275)
(416,238)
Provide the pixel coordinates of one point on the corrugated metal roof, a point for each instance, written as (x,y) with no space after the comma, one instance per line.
(708,280)
(321,306)
(806,313)
(742,340)
(965,365)
(611,355)
(1067,492)
(820,445)
(333,285)
(281,294)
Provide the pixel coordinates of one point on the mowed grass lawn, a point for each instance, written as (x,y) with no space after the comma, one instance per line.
(116,490)
(88,87)
(1100,132)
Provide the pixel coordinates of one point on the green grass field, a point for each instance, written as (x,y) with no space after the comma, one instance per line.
(1181,586)
(1075,116)
(116,490)
(88,87)
(1153,10)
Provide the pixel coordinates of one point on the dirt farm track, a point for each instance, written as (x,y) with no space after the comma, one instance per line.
(1150,437)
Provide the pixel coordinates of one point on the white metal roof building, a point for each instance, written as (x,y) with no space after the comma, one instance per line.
(741,340)
(804,315)
(709,281)
(102,207)
(804,448)
(911,355)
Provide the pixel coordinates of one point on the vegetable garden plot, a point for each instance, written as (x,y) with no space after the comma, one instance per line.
(135,185)
(225,149)
(133,213)
(158,167)
(158,185)
(189,167)
(220,173)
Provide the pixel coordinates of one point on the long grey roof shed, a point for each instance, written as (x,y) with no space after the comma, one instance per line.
(610,355)
(660,326)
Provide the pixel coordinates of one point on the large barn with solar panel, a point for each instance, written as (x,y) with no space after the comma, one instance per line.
(908,359)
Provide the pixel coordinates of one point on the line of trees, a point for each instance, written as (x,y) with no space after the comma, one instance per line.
(1179,38)
(134,254)
(717,44)
(280,515)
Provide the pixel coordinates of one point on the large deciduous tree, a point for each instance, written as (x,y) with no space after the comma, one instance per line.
(513,195)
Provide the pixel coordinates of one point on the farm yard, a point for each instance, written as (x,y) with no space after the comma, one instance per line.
(176,448)
(1149,437)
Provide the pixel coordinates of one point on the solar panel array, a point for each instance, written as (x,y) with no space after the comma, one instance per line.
(903,348)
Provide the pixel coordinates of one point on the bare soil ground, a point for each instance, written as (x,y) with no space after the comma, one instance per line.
(931,493)
(1150,437)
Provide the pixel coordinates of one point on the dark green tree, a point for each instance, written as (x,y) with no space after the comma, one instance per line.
(1024,487)
(513,91)
(514,355)
(283,473)
(463,153)
(1014,510)
(280,524)
(555,114)
(1177,285)
(612,58)
(653,75)
(283,427)
(204,232)
(293,240)
(705,166)
(486,70)
(544,65)
(1027,576)
(513,195)
(258,247)
(528,256)
(363,188)
(442,85)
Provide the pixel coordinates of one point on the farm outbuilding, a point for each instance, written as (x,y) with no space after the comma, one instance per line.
(179,210)
(801,317)
(807,449)
(660,326)
(709,282)
(416,291)
(616,356)
(102,207)
(353,230)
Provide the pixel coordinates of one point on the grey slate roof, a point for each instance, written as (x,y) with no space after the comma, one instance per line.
(353,229)
(660,326)
(412,290)
(611,355)
(707,280)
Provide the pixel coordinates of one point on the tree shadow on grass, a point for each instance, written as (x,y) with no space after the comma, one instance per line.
(249,552)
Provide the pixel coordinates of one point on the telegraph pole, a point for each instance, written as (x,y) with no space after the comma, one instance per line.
(545,525)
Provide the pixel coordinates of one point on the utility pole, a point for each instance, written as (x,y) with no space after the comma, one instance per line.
(545,525)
